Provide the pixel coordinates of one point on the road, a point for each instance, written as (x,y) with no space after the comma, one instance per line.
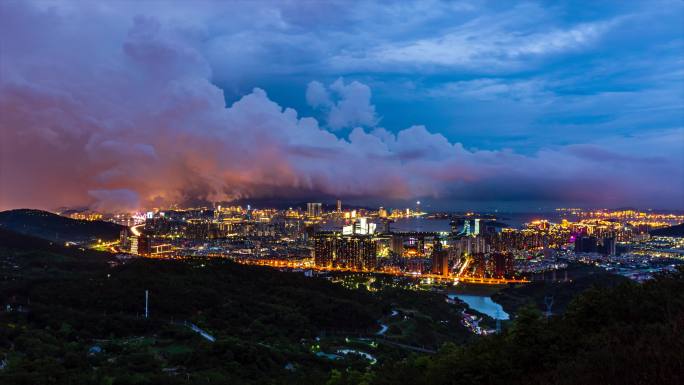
(309,265)
(383,329)
(135,231)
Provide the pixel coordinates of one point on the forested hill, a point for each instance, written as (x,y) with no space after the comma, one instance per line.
(62,301)
(73,315)
(672,231)
(628,334)
(46,225)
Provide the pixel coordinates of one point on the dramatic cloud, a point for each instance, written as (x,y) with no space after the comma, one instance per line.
(119,109)
(352,105)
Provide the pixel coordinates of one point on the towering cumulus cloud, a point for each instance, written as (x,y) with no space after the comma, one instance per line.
(120,112)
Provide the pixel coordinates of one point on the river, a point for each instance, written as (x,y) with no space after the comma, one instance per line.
(482,304)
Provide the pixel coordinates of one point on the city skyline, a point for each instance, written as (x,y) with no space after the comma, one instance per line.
(341,192)
(462,105)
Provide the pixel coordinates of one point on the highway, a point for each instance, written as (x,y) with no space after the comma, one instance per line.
(135,231)
(309,265)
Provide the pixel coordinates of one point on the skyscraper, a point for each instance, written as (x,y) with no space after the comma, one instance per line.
(586,244)
(609,246)
(360,227)
(140,244)
(503,264)
(332,249)
(397,245)
(314,210)
(339,206)
(324,249)
(440,260)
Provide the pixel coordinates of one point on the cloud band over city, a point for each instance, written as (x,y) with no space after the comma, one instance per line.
(141,121)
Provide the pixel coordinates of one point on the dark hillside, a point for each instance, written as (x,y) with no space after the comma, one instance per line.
(46,225)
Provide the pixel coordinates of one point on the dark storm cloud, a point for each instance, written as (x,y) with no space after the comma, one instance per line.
(104,107)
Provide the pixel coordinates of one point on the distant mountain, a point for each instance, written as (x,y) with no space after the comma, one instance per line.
(672,231)
(53,227)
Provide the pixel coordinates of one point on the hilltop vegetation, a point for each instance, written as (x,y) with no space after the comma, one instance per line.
(628,334)
(57,228)
(583,277)
(66,301)
(259,317)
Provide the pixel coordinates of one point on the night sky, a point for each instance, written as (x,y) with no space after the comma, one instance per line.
(128,105)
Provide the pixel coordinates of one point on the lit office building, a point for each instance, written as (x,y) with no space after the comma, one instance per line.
(314,210)
(469,245)
(360,227)
(466,226)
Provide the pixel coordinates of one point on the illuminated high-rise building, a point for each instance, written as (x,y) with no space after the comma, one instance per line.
(397,245)
(503,264)
(385,226)
(358,252)
(339,206)
(440,260)
(140,245)
(324,249)
(123,238)
(609,246)
(360,227)
(469,245)
(314,210)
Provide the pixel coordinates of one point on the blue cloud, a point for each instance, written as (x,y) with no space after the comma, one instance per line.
(492,75)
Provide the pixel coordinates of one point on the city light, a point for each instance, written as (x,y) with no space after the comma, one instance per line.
(477,250)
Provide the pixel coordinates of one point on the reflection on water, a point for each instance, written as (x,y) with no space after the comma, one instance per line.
(400,224)
(515,220)
(483,304)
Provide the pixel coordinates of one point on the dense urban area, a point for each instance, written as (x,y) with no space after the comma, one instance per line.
(468,247)
(328,294)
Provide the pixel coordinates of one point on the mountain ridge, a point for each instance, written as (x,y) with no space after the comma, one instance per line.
(57,228)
